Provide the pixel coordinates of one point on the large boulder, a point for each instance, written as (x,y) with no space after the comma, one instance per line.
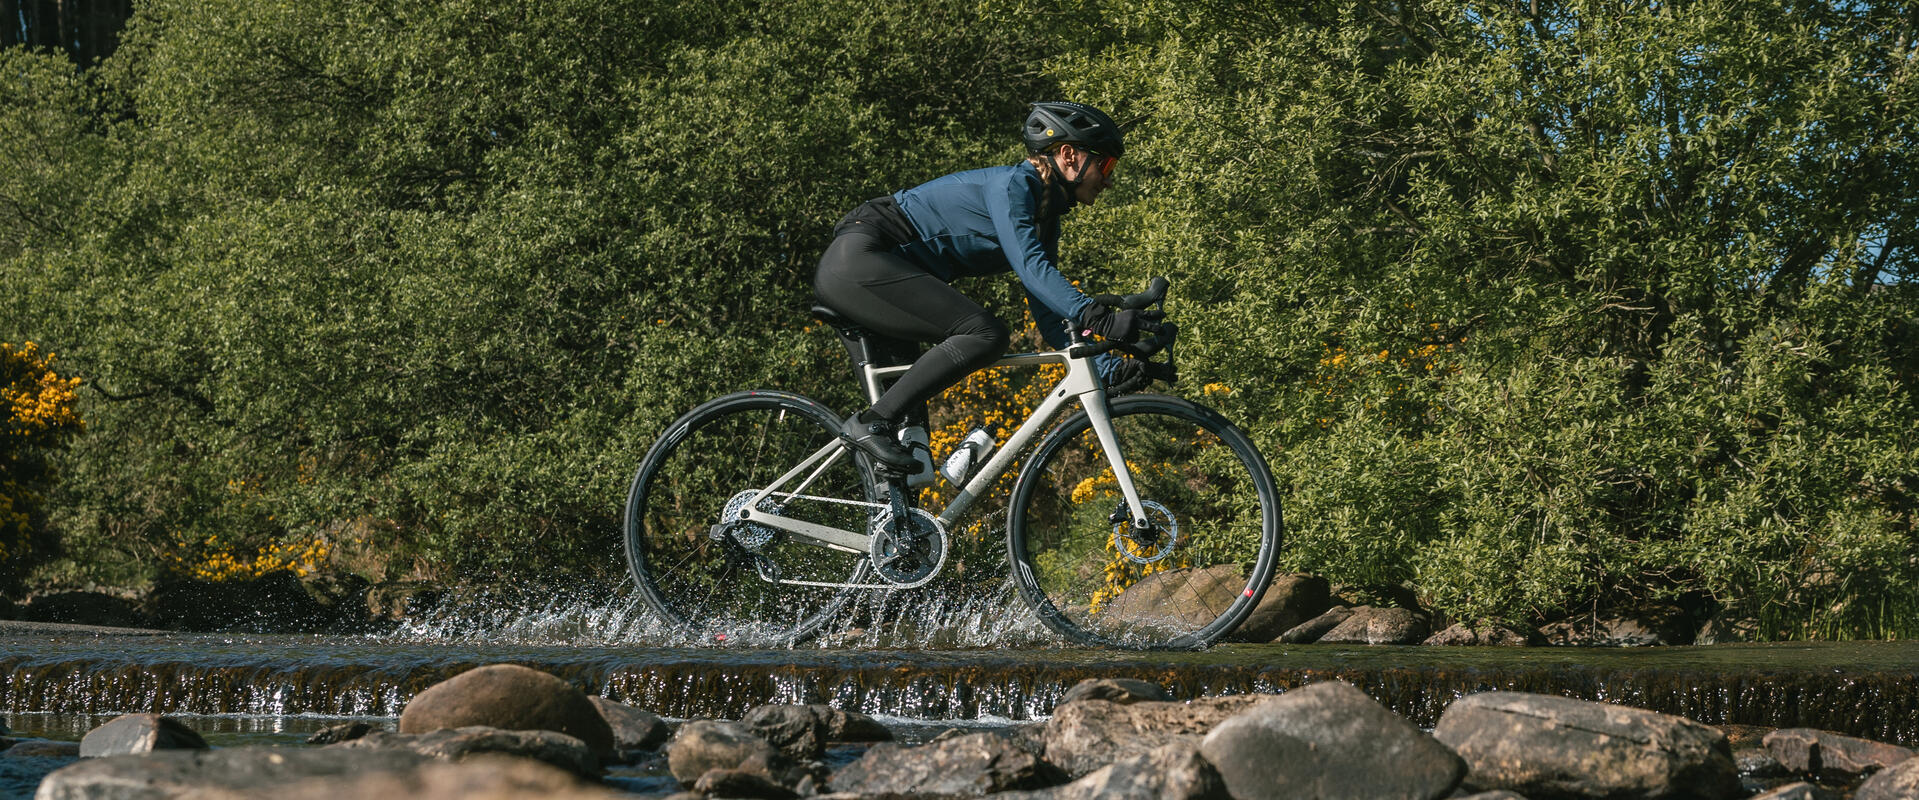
(1546,746)
(207,774)
(1311,630)
(701,746)
(1328,741)
(1375,625)
(459,744)
(795,730)
(633,728)
(510,697)
(1117,690)
(1830,755)
(489,777)
(969,766)
(1289,600)
(1172,772)
(1086,735)
(1485,634)
(1186,598)
(139,733)
(1898,782)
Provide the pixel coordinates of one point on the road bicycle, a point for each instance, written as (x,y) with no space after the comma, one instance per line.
(1136,521)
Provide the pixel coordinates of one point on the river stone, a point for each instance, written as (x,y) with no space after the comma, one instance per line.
(1500,794)
(209,774)
(1897,782)
(1648,626)
(1117,690)
(486,777)
(1085,735)
(343,732)
(1796,791)
(795,730)
(742,784)
(1291,599)
(1486,634)
(1309,631)
(1187,598)
(1818,753)
(511,697)
(1328,741)
(705,745)
(1173,772)
(1375,625)
(457,744)
(139,733)
(42,748)
(850,726)
(1758,764)
(1541,745)
(970,766)
(633,728)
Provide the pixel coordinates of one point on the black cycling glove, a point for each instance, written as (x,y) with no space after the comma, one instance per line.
(1126,376)
(1124,325)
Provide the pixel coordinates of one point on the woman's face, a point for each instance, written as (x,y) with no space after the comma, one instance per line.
(1084,166)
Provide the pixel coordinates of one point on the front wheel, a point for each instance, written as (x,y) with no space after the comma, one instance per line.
(744,583)
(1188,578)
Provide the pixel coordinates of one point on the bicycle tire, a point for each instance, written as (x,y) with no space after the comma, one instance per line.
(712,589)
(1183,586)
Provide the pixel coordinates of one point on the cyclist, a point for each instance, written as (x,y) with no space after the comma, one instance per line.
(892,257)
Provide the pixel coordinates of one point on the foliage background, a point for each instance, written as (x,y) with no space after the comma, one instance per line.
(1535,307)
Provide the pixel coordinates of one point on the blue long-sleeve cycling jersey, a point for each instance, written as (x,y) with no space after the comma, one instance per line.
(987,221)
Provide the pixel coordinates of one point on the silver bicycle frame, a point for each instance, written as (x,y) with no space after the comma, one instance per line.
(1080,385)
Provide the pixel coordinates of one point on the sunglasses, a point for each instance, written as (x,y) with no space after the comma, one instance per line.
(1103,162)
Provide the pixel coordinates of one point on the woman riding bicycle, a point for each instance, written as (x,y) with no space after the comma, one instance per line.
(891,259)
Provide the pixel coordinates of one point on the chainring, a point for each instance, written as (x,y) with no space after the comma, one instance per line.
(911,563)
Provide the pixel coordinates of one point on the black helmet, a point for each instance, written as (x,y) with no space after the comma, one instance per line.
(1076,123)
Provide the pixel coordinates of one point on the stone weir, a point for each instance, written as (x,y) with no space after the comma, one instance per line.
(1863,689)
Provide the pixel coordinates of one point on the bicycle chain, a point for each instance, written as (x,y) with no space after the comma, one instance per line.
(789,497)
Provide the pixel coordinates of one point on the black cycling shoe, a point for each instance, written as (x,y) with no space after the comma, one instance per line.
(874,437)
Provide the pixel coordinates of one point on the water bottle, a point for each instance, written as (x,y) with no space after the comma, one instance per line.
(970,453)
(914,438)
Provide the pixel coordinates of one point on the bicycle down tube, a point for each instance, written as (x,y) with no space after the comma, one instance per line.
(1080,385)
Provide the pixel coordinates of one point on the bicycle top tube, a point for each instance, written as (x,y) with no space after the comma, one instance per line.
(1010,360)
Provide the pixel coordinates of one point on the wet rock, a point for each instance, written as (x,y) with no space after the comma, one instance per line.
(139,733)
(971,765)
(1486,634)
(1188,597)
(1897,782)
(850,726)
(702,746)
(1758,764)
(1494,795)
(1309,631)
(1116,690)
(478,778)
(1650,626)
(633,728)
(343,732)
(227,772)
(394,601)
(743,784)
(1373,625)
(42,748)
(1805,751)
(1291,599)
(83,608)
(511,697)
(795,730)
(1328,741)
(457,744)
(1085,735)
(1553,746)
(1796,791)
(1173,772)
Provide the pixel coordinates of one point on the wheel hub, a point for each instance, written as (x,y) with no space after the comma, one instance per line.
(1150,544)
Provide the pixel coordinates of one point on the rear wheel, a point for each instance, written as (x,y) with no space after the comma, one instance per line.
(725,584)
(1188,578)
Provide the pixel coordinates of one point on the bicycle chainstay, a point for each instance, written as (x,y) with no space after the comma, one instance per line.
(879,510)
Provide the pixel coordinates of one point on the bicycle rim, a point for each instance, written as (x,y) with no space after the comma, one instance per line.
(1185,582)
(715,590)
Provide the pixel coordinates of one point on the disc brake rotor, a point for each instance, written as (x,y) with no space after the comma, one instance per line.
(1150,544)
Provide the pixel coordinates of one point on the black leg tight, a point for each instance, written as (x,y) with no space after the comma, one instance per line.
(862,279)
